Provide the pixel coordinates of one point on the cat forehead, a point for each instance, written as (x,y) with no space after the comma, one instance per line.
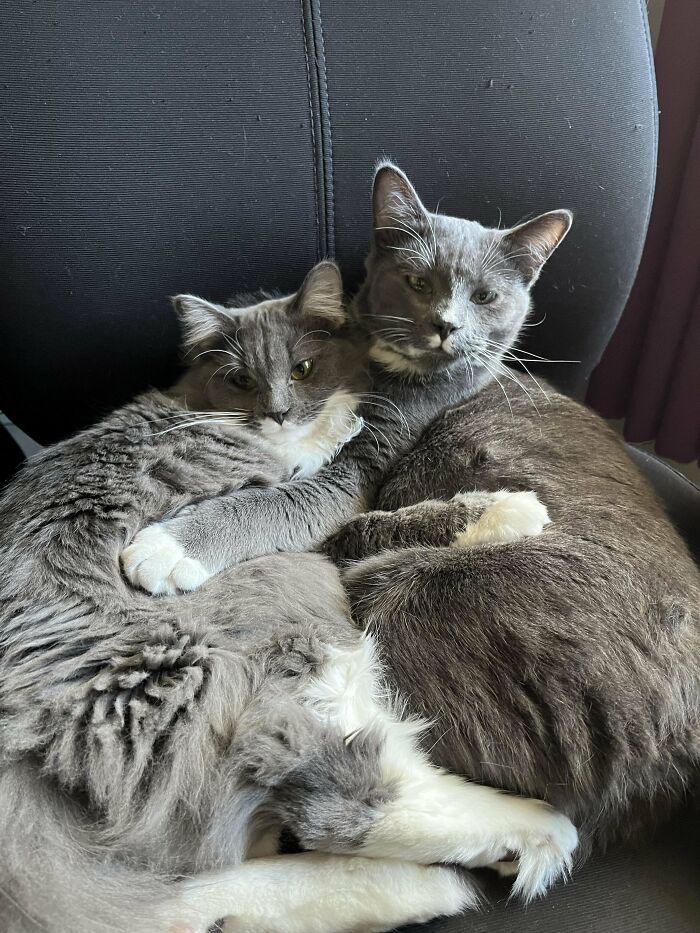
(267,321)
(268,338)
(458,242)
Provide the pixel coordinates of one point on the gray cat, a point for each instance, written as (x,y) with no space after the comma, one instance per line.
(564,665)
(146,739)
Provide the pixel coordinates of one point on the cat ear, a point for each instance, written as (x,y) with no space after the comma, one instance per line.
(199,319)
(395,204)
(321,295)
(531,244)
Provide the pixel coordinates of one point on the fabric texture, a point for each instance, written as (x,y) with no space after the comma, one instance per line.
(212,147)
(651,371)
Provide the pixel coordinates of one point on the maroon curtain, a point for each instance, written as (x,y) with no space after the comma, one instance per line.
(650,372)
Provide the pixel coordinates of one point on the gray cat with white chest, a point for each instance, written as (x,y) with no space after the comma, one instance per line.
(146,739)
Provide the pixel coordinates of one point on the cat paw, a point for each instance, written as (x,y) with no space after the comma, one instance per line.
(511,515)
(537,849)
(156,562)
(508,868)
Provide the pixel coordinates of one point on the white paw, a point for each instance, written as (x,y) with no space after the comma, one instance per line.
(157,563)
(543,842)
(511,515)
(507,868)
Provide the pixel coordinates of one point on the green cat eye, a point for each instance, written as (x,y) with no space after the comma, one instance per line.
(484,297)
(419,284)
(302,370)
(243,380)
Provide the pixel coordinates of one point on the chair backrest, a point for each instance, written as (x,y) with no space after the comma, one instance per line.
(216,146)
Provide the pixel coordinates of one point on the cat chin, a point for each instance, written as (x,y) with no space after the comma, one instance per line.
(411,361)
(305,448)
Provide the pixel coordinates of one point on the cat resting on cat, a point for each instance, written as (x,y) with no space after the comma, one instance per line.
(145,739)
(565,665)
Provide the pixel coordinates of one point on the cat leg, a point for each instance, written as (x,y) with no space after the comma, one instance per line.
(423,814)
(467,519)
(313,892)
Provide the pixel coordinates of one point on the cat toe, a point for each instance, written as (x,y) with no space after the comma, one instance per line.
(545,844)
(156,562)
(188,574)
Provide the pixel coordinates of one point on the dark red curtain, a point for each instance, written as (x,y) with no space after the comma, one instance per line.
(650,372)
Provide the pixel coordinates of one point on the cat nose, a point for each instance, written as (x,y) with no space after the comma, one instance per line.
(277,416)
(445,329)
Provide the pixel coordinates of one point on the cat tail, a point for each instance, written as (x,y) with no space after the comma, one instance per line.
(55,877)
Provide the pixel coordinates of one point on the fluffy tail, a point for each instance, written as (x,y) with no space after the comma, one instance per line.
(54,877)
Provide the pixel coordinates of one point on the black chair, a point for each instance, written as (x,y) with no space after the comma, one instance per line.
(213,146)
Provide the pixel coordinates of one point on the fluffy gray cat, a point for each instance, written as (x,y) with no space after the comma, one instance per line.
(146,739)
(565,665)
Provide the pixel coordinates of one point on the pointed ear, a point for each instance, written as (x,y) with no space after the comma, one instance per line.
(395,203)
(321,295)
(532,243)
(199,319)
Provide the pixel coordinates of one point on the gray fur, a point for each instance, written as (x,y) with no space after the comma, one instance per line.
(566,666)
(141,738)
(459,257)
(563,666)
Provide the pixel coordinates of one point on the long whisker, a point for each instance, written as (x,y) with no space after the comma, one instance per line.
(509,374)
(392,317)
(309,334)
(404,423)
(494,376)
(381,434)
(189,424)
(534,356)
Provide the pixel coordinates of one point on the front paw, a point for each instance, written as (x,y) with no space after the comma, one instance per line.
(512,515)
(534,845)
(156,562)
(353,540)
(544,843)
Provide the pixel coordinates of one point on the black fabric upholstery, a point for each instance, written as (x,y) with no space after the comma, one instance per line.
(680,496)
(211,146)
(10,456)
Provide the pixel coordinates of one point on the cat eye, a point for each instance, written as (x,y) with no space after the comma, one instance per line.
(302,370)
(419,284)
(484,296)
(243,380)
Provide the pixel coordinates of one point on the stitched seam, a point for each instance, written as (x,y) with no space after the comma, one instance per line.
(329,189)
(312,122)
(652,82)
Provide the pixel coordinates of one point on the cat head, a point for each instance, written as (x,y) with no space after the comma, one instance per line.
(442,292)
(275,365)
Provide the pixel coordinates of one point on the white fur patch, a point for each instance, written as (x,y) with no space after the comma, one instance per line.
(513,515)
(435,816)
(317,893)
(157,563)
(305,448)
(395,362)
